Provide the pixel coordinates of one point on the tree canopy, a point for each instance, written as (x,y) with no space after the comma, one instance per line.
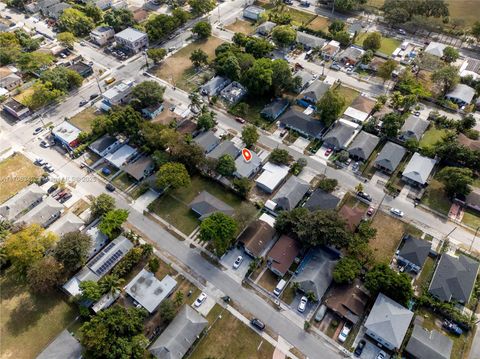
(396,286)
(226,165)
(218,229)
(346,270)
(199,57)
(373,41)
(102,204)
(72,250)
(457,180)
(450,54)
(446,77)
(330,106)
(76,22)
(284,35)
(148,93)
(280,156)
(119,19)
(45,274)
(62,78)
(202,29)
(173,175)
(112,222)
(250,135)
(200,7)
(157,54)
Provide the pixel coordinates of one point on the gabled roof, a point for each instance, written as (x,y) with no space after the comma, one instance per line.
(301,122)
(206,140)
(120,157)
(283,253)
(266,27)
(305,76)
(205,205)
(246,169)
(352,53)
(215,85)
(21,201)
(140,167)
(331,48)
(275,108)
(426,344)
(415,250)
(316,90)
(290,194)
(363,145)
(310,40)
(257,236)
(179,336)
(414,127)
(419,168)
(390,156)
(70,222)
(271,176)
(102,143)
(64,346)
(339,135)
(348,300)
(321,200)
(43,213)
(435,48)
(224,148)
(352,216)
(389,320)
(462,92)
(454,278)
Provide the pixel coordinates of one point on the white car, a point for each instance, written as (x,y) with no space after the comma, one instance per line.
(40,162)
(199,301)
(344,333)
(303,304)
(396,212)
(48,167)
(381,355)
(237,262)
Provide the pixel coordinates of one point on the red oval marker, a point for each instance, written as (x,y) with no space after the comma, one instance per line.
(247,155)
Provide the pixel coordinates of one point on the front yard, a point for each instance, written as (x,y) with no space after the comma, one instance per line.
(432,136)
(245,27)
(250,111)
(387,46)
(389,234)
(471,218)
(83,120)
(436,198)
(319,23)
(348,94)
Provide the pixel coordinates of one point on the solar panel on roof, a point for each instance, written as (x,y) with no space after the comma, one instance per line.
(109,263)
(96,259)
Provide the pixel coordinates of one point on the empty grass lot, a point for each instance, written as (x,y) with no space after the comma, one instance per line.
(29,322)
(319,23)
(245,27)
(389,234)
(123,181)
(436,198)
(230,338)
(16,172)
(268,281)
(348,94)
(298,17)
(432,136)
(471,218)
(423,280)
(387,46)
(83,120)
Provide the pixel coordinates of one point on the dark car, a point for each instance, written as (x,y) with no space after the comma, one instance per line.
(365,196)
(52,188)
(83,103)
(93,96)
(257,323)
(110,187)
(359,349)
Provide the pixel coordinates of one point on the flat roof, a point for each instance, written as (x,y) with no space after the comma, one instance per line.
(120,156)
(130,34)
(272,175)
(66,132)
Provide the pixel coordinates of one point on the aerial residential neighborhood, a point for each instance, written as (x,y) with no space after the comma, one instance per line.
(251,179)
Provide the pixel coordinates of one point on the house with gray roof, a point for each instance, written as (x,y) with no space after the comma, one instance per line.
(207,140)
(253,12)
(302,123)
(266,28)
(22,202)
(47,212)
(290,194)
(64,346)
(247,169)
(275,109)
(321,200)
(363,145)
(105,144)
(414,127)
(315,91)
(224,148)
(413,253)
(316,271)
(388,322)
(310,41)
(390,157)
(351,55)
(180,335)
(454,278)
(140,168)
(233,92)
(206,204)
(418,170)
(461,94)
(214,86)
(305,77)
(70,222)
(428,344)
(339,136)
(435,49)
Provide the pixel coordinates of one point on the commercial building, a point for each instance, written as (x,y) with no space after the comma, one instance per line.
(132,39)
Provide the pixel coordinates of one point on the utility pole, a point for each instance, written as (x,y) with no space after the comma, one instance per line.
(474,236)
(333,7)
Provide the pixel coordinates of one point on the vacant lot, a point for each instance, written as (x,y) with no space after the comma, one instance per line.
(348,94)
(16,172)
(319,23)
(471,218)
(387,46)
(23,95)
(436,198)
(432,136)
(177,68)
(268,280)
(83,120)
(28,323)
(245,27)
(230,338)
(389,234)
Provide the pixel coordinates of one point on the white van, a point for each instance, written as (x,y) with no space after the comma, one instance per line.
(278,289)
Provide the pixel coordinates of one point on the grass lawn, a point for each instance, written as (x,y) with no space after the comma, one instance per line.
(245,27)
(28,322)
(387,45)
(16,172)
(463,10)
(176,68)
(79,207)
(348,94)
(351,201)
(319,23)
(300,17)
(230,338)
(423,280)
(288,294)
(252,115)
(436,198)
(389,234)
(268,281)
(23,95)
(471,218)
(432,136)
(83,120)
(123,181)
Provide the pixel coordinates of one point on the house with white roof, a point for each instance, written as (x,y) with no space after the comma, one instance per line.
(461,94)
(66,134)
(121,156)
(132,39)
(22,202)
(116,95)
(271,177)
(418,170)
(435,49)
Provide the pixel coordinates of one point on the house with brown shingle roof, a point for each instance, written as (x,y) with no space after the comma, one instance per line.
(256,237)
(348,300)
(283,254)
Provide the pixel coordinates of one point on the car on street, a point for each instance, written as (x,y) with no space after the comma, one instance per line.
(237,262)
(328,151)
(452,327)
(42,180)
(370,211)
(365,196)
(45,144)
(239,119)
(416,113)
(355,166)
(359,349)
(82,43)
(83,103)
(52,188)
(110,187)
(200,299)
(48,167)
(257,323)
(396,212)
(335,66)
(381,355)
(303,304)
(40,162)
(37,130)
(402,32)
(344,333)
(8,17)
(93,96)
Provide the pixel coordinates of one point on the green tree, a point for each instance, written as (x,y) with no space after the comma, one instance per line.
(392,123)
(446,77)
(226,165)
(202,29)
(259,78)
(198,58)
(112,222)
(286,220)
(93,12)
(111,284)
(76,22)
(347,5)
(475,30)
(72,250)
(34,61)
(373,41)
(280,156)
(330,107)
(367,57)
(148,93)
(396,286)
(102,204)
(9,48)
(327,184)
(242,186)
(456,180)
(62,78)
(119,19)
(259,48)
(282,79)
(173,175)
(250,135)
(336,26)
(157,54)
(206,121)
(67,39)
(179,297)
(90,290)
(386,69)
(154,264)
(167,310)
(44,275)
(284,35)
(218,229)
(346,270)
(200,7)
(450,54)
(342,37)
(43,94)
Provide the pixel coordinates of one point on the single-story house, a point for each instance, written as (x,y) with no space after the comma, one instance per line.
(390,157)
(99,240)
(302,123)
(462,95)
(207,140)
(70,222)
(454,278)
(321,200)
(55,11)
(305,77)
(179,336)
(428,344)
(121,156)
(388,322)
(257,237)
(16,109)
(245,168)
(117,95)
(275,109)
(290,194)
(363,145)
(206,204)
(22,202)
(105,144)
(153,111)
(233,92)
(140,168)
(266,28)
(414,253)
(224,148)
(315,272)
(414,127)
(148,291)
(214,86)
(339,135)
(374,64)
(418,170)
(102,34)
(310,41)
(315,91)
(44,214)
(331,49)
(253,12)
(473,199)
(348,301)
(9,80)
(351,55)
(435,49)
(360,109)
(271,177)
(282,255)
(64,346)
(66,134)
(132,39)
(352,216)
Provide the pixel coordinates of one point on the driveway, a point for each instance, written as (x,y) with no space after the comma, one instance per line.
(228,259)
(311,306)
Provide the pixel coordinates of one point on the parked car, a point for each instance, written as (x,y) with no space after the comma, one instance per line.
(381,355)
(42,180)
(239,119)
(106,171)
(52,188)
(328,151)
(110,187)
(402,32)
(303,304)
(48,168)
(335,66)
(355,166)
(45,144)
(396,212)
(359,349)
(365,196)
(237,262)
(321,313)
(200,299)
(344,333)
(40,162)
(37,130)
(65,198)
(257,323)
(452,327)
(83,103)
(93,96)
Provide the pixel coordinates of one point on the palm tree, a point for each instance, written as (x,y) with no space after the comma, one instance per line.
(194,100)
(359,187)
(111,284)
